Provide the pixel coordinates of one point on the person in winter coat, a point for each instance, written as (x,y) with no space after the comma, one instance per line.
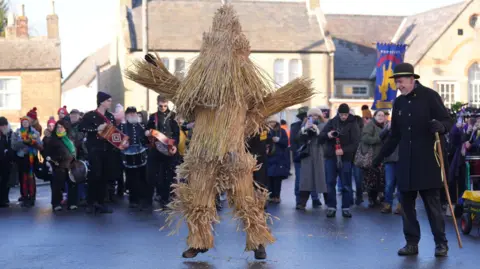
(312,166)
(341,136)
(6,159)
(418,114)
(374,178)
(27,143)
(60,152)
(390,164)
(278,158)
(295,144)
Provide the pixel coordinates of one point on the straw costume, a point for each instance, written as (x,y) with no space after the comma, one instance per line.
(228,98)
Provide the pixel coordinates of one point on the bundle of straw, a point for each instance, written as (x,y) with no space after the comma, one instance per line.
(153,74)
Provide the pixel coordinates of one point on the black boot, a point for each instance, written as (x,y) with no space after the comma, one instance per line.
(408,250)
(316,203)
(193,252)
(441,250)
(260,253)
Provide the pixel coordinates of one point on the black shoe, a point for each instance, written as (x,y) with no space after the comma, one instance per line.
(4,205)
(300,207)
(260,253)
(21,199)
(331,213)
(193,252)
(408,250)
(346,214)
(358,202)
(316,203)
(90,209)
(441,250)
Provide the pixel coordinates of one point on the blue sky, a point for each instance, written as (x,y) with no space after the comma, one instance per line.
(86,25)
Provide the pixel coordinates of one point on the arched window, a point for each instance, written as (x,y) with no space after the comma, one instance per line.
(474,84)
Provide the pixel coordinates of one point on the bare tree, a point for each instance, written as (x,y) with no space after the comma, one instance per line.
(3,16)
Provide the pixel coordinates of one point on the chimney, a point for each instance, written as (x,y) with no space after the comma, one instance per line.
(22,23)
(52,23)
(10,30)
(312,5)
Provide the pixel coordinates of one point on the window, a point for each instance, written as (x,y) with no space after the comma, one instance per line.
(166,63)
(294,69)
(10,93)
(279,72)
(474,23)
(180,68)
(474,84)
(285,71)
(356,90)
(446,89)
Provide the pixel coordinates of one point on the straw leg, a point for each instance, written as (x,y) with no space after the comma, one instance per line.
(195,201)
(248,206)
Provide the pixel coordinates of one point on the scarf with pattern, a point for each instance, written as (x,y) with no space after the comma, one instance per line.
(27,137)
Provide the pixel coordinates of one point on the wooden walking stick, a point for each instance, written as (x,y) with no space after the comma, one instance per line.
(438,150)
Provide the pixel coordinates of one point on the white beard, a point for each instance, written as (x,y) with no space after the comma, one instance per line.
(132,120)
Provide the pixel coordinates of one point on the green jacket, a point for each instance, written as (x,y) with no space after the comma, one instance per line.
(371,138)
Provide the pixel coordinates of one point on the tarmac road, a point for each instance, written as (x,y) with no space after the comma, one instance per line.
(37,238)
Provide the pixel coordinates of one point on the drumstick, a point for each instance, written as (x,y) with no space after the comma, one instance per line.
(445,185)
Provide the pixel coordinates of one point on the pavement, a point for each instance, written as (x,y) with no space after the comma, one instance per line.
(37,238)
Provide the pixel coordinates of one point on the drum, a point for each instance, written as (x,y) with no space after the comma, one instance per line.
(78,171)
(161,142)
(114,136)
(474,163)
(134,156)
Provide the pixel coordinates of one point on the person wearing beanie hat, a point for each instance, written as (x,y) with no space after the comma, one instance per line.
(50,125)
(26,142)
(62,112)
(418,116)
(161,168)
(6,159)
(340,137)
(33,117)
(295,145)
(312,161)
(103,97)
(102,156)
(278,158)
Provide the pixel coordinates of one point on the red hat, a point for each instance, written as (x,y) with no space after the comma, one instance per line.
(63,110)
(32,114)
(51,120)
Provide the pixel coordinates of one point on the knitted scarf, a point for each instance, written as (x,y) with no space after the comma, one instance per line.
(27,136)
(67,142)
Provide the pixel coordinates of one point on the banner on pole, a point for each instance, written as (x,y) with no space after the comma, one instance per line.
(388,56)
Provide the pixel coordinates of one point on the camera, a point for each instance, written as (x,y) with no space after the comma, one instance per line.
(335,134)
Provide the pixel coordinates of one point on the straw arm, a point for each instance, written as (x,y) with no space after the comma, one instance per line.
(296,92)
(153,75)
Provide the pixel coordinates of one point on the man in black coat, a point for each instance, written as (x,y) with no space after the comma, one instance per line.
(417,115)
(341,136)
(161,168)
(6,159)
(100,153)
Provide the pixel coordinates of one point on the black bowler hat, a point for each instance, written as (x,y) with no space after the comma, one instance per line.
(404,70)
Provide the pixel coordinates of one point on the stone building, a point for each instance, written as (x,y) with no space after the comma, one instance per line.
(287,41)
(30,69)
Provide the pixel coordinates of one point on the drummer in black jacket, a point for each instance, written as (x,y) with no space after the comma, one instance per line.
(136,176)
(100,153)
(417,115)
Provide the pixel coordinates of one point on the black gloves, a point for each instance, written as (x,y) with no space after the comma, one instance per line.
(437,127)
